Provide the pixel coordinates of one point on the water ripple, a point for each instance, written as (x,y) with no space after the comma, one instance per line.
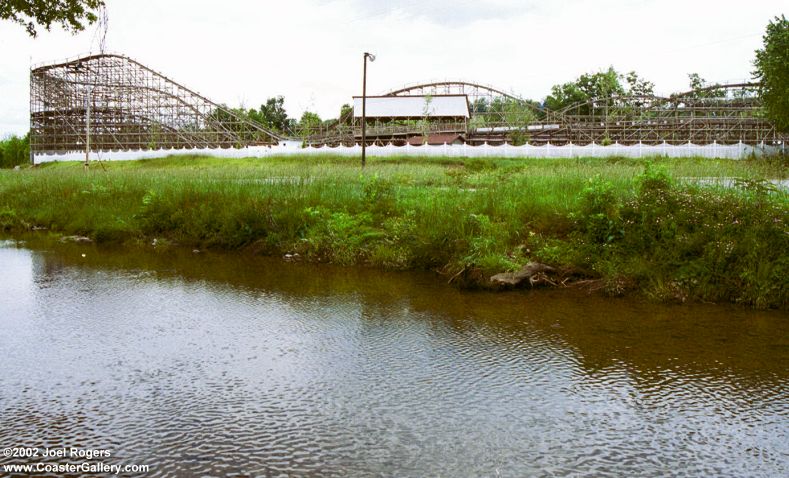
(206,377)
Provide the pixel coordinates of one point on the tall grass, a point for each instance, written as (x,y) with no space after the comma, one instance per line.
(654,232)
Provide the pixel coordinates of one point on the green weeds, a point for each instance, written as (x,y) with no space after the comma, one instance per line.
(636,224)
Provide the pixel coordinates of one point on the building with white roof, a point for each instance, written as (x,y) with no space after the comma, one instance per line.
(431,117)
(413,107)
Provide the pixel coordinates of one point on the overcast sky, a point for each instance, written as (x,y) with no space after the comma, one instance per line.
(310,51)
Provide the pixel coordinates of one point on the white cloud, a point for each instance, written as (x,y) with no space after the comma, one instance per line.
(310,51)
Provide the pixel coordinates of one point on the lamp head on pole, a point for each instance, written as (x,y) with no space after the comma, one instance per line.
(370,56)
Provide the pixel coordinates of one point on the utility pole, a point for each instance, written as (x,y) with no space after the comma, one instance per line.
(87,130)
(30,135)
(364,107)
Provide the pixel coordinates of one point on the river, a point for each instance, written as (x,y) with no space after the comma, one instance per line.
(225,365)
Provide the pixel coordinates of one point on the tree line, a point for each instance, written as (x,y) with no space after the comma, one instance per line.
(14,151)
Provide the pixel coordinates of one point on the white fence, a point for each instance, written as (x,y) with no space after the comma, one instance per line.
(714,150)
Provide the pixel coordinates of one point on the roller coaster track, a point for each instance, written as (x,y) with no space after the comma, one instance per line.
(464,87)
(705,115)
(471,89)
(134,107)
(449,85)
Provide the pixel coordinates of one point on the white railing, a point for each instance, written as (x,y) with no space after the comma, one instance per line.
(714,150)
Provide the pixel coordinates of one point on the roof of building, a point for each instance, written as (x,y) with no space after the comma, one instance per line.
(436,106)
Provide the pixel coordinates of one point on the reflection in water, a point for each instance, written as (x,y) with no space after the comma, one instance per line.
(218,365)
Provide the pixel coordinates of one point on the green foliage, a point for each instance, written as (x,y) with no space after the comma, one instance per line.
(424,124)
(14,151)
(565,95)
(396,250)
(308,124)
(632,225)
(378,193)
(701,88)
(272,114)
(488,246)
(655,179)
(599,212)
(8,219)
(638,86)
(229,118)
(72,15)
(759,187)
(772,71)
(512,111)
(477,121)
(340,237)
(346,115)
(519,137)
(603,84)
(480,105)
(687,242)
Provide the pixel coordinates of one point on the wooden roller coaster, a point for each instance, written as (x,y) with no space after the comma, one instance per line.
(725,114)
(128,106)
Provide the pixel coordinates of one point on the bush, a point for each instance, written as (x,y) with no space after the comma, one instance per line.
(340,237)
(599,214)
(489,246)
(687,242)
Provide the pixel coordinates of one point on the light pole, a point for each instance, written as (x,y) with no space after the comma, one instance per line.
(87,128)
(364,106)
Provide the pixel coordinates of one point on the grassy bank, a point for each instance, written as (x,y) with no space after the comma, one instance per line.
(632,224)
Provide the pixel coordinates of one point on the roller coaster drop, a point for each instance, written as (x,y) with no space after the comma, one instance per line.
(129,106)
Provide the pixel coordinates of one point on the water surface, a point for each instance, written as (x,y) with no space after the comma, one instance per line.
(224,365)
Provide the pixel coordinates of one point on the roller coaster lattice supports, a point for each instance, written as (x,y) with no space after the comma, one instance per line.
(722,113)
(733,114)
(132,107)
(128,107)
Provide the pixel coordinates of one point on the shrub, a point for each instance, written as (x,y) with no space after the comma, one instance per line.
(599,212)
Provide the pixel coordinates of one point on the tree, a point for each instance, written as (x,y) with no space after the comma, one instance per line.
(772,71)
(565,95)
(72,15)
(603,84)
(480,105)
(272,114)
(637,86)
(701,88)
(346,115)
(512,112)
(424,123)
(14,151)
(696,81)
(309,123)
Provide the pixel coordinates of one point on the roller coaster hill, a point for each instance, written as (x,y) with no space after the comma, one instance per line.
(124,105)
